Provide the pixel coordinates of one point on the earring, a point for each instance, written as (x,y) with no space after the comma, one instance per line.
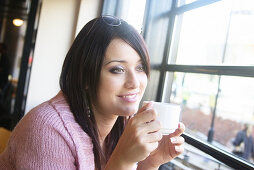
(88,112)
(87,103)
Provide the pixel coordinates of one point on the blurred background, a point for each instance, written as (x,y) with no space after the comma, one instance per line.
(202,58)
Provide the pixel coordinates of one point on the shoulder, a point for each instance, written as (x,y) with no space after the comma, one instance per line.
(50,130)
(241,133)
(52,115)
(41,122)
(42,116)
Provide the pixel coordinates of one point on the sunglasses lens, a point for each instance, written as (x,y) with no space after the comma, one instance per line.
(112,21)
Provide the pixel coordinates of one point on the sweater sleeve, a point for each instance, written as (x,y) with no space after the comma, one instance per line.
(41,142)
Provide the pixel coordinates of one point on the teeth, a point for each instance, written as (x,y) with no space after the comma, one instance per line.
(130,96)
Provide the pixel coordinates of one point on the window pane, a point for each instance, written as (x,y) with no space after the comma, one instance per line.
(203,34)
(152,86)
(156,29)
(240,44)
(197,93)
(222,37)
(156,40)
(133,13)
(184,2)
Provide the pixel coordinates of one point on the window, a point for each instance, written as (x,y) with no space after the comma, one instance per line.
(203,61)
(131,11)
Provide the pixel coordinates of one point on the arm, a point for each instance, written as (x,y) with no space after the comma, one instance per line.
(238,139)
(147,165)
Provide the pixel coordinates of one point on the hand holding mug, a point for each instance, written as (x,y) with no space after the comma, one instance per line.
(140,137)
(168,115)
(171,144)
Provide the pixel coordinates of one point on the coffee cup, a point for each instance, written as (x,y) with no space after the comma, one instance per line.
(168,115)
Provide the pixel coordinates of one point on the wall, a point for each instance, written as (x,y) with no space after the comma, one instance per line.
(56,31)
(89,9)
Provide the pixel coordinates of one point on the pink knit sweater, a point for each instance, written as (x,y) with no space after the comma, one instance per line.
(48,138)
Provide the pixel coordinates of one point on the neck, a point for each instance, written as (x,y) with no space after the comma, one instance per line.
(104,123)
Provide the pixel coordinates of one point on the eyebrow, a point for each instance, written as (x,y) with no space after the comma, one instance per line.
(118,61)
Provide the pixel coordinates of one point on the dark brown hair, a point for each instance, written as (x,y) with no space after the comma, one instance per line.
(81,74)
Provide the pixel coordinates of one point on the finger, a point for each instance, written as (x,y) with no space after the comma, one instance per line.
(146,116)
(178,131)
(179,149)
(177,140)
(176,150)
(153,137)
(146,106)
(152,126)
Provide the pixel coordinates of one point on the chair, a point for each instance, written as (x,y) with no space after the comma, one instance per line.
(4,137)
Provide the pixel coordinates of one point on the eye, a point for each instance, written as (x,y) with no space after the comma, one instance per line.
(117,70)
(140,68)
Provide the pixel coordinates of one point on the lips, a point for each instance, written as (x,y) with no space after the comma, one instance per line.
(132,97)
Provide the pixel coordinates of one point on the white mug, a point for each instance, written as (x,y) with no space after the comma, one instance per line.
(168,115)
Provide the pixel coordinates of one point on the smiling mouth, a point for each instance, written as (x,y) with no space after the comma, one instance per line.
(129,98)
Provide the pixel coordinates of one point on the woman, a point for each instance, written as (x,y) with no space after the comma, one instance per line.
(90,123)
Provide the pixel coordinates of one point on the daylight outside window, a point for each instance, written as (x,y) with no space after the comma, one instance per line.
(221,38)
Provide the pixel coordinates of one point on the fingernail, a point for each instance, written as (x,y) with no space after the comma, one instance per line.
(156,112)
(150,104)
(178,148)
(173,140)
(182,126)
(145,103)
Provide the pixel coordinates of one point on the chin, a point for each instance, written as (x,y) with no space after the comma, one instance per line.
(129,111)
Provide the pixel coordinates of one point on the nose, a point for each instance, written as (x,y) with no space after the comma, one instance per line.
(132,81)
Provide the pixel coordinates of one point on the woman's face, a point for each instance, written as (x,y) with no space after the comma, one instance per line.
(122,82)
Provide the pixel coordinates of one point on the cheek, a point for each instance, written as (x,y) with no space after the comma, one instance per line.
(109,85)
(143,82)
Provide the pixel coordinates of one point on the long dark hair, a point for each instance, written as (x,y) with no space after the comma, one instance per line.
(81,73)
